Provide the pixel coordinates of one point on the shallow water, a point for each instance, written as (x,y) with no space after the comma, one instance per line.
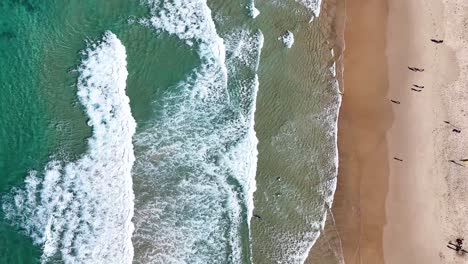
(222,109)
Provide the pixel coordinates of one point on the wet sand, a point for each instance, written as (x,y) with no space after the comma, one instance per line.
(399,199)
(365,117)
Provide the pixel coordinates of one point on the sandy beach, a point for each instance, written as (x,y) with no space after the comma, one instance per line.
(365,117)
(399,198)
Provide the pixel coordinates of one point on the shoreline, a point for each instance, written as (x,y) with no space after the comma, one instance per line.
(383,207)
(327,249)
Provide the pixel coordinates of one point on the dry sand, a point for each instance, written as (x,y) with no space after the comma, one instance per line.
(387,211)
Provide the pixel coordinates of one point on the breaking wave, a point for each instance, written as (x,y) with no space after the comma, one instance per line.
(196,161)
(80,212)
(312,5)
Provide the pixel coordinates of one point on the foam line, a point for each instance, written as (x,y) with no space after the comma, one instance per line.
(328,188)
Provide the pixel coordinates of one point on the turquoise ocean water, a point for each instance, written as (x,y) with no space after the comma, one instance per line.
(160,131)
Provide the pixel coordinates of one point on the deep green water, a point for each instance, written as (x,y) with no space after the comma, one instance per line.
(40,44)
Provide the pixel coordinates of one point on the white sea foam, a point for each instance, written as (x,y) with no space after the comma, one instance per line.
(192,182)
(81,211)
(299,239)
(287,39)
(328,187)
(312,5)
(254,12)
(245,49)
(333,67)
(190,21)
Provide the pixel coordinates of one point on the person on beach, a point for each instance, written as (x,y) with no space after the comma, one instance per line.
(418,86)
(457,247)
(437,41)
(455,129)
(395,158)
(416,69)
(395,102)
(416,90)
(454,162)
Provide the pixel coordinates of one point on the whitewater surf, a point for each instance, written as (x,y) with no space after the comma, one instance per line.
(81,211)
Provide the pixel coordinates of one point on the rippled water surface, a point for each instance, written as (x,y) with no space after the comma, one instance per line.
(233,157)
